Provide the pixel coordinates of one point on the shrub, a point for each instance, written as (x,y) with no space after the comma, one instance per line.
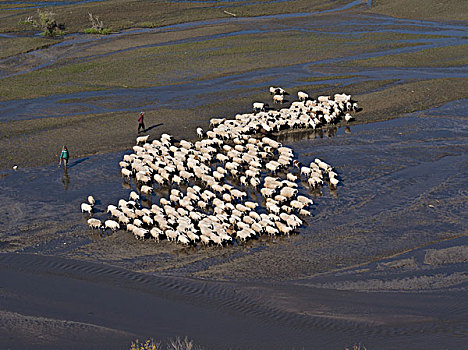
(46,22)
(173,344)
(97,26)
(95,31)
(147,345)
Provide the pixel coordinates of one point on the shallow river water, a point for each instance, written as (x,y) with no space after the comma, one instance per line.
(403,195)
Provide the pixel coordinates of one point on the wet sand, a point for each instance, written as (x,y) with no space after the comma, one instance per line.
(381,262)
(112,303)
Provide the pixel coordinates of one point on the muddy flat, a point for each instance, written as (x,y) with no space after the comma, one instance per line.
(382,261)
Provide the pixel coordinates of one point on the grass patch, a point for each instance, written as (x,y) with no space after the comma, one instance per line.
(15,46)
(447,10)
(433,57)
(169,64)
(134,13)
(104,31)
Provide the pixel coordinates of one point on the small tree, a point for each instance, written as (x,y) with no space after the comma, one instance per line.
(97,26)
(47,23)
(96,23)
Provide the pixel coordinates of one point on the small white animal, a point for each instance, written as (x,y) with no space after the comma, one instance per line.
(134,196)
(146,189)
(114,226)
(91,200)
(85,207)
(200,132)
(94,223)
(142,139)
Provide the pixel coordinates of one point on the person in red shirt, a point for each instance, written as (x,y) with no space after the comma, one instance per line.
(141,123)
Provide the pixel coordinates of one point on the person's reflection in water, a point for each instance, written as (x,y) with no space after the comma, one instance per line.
(65,179)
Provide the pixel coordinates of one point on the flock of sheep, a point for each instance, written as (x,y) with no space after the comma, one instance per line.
(204,203)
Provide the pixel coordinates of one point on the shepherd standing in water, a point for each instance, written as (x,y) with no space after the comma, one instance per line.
(64,155)
(141,123)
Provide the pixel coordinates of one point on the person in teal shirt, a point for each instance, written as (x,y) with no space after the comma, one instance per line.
(64,155)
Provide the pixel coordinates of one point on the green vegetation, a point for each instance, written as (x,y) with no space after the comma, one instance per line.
(97,31)
(46,22)
(17,45)
(161,64)
(135,13)
(97,26)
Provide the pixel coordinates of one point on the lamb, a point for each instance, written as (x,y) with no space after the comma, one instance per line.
(217,121)
(302,96)
(146,189)
(94,223)
(259,106)
(334,182)
(142,139)
(126,173)
(288,192)
(295,204)
(183,239)
(342,98)
(85,207)
(123,220)
(305,200)
(267,192)
(147,220)
(113,225)
(238,194)
(305,170)
(278,99)
(156,233)
(134,196)
(186,144)
(200,132)
(140,233)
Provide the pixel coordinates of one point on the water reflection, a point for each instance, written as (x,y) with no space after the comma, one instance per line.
(65,179)
(126,185)
(309,134)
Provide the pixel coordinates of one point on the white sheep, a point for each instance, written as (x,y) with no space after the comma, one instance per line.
(91,200)
(142,139)
(113,225)
(126,173)
(146,189)
(302,95)
(259,106)
(288,192)
(183,239)
(85,207)
(216,121)
(334,182)
(94,223)
(278,99)
(200,132)
(134,196)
